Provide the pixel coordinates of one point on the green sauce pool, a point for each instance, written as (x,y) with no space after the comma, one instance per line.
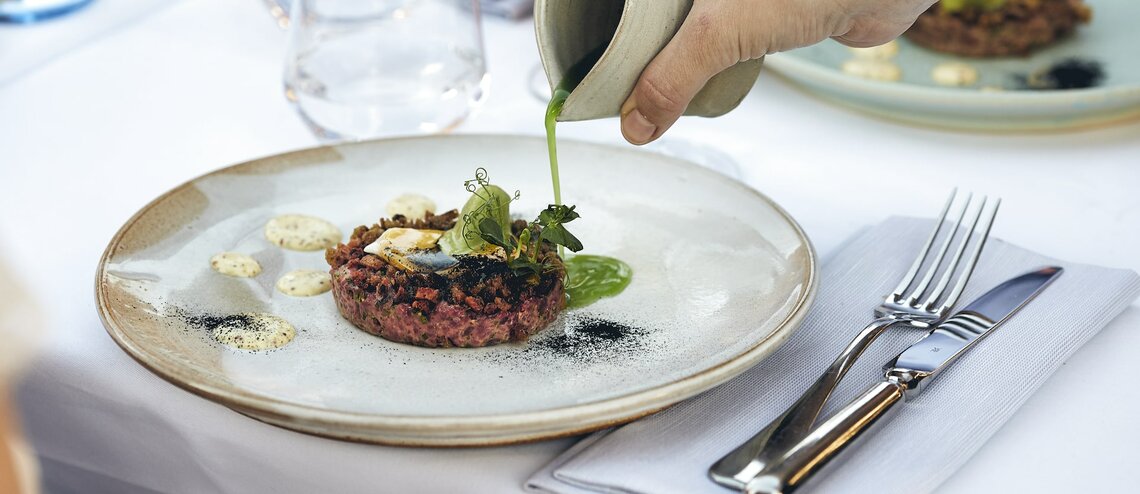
(588,277)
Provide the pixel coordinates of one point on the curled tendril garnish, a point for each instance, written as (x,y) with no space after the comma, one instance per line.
(477,187)
(482,179)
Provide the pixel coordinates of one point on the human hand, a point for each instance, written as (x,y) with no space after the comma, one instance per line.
(719,33)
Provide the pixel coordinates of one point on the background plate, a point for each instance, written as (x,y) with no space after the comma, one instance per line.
(721,278)
(1111,39)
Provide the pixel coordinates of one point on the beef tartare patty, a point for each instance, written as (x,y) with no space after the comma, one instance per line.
(477,302)
(1015,28)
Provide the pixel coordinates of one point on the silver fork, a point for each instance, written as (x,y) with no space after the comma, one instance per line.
(914,303)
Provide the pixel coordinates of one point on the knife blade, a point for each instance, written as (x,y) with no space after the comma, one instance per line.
(905,376)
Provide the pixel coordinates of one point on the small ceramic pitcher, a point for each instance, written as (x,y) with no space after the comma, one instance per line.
(633,32)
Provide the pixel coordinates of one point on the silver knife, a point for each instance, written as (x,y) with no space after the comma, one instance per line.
(906,376)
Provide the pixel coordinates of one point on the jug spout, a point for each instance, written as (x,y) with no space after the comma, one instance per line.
(611,42)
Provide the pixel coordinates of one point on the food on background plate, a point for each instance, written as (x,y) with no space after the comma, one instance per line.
(235,264)
(874,69)
(302,233)
(954,74)
(994,28)
(885,51)
(467,278)
(304,283)
(875,62)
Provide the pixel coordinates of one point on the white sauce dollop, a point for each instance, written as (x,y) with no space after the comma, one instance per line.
(255,331)
(300,232)
(304,283)
(867,68)
(412,206)
(954,74)
(885,51)
(235,264)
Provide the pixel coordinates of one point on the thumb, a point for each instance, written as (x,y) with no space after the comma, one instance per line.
(674,77)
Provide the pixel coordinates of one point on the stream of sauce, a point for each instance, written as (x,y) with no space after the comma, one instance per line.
(588,277)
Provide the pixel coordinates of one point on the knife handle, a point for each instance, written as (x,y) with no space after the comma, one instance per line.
(741,465)
(828,440)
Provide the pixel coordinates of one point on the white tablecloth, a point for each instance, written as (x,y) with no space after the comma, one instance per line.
(88,138)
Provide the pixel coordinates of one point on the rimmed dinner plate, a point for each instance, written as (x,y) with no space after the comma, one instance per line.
(998,101)
(722,276)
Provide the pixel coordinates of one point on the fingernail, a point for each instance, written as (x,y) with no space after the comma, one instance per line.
(627,106)
(636,128)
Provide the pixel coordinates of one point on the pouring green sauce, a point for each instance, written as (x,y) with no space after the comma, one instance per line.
(588,277)
(569,81)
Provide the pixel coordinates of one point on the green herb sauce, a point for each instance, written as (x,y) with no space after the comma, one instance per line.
(552,111)
(569,81)
(590,277)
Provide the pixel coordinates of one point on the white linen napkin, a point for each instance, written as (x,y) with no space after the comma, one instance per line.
(933,435)
(24,47)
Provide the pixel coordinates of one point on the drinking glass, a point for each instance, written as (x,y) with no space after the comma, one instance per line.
(361,69)
(29,11)
(279,9)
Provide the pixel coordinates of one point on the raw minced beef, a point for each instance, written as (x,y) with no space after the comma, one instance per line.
(478,302)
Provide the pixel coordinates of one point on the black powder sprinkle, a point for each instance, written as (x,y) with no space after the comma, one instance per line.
(591,338)
(210,322)
(1071,73)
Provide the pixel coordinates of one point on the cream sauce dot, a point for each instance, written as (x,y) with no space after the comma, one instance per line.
(255,332)
(235,264)
(300,232)
(413,206)
(885,51)
(954,74)
(878,70)
(304,283)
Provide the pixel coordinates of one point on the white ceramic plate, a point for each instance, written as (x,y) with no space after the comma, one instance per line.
(722,276)
(1110,39)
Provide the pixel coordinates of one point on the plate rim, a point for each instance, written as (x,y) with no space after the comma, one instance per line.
(794,66)
(440,430)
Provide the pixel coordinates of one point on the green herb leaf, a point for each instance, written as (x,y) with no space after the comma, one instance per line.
(525,267)
(485,219)
(486,201)
(556,214)
(552,220)
(525,243)
(491,232)
(559,235)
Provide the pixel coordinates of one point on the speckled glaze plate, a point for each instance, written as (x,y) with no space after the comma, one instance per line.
(722,276)
(1111,39)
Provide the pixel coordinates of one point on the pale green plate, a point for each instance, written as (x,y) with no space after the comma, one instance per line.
(1112,39)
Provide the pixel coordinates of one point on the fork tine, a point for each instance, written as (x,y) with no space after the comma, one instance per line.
(973,260)
(917,292)
(910,274)
(948,274)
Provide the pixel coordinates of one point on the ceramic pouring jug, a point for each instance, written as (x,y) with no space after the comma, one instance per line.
(633,32)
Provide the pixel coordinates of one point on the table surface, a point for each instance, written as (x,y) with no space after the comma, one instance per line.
(91,135)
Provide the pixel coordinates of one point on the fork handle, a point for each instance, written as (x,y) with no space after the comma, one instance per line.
(831,438)
(742,464)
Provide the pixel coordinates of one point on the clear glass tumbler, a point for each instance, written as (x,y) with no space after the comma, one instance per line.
(359,69)
(29,11)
